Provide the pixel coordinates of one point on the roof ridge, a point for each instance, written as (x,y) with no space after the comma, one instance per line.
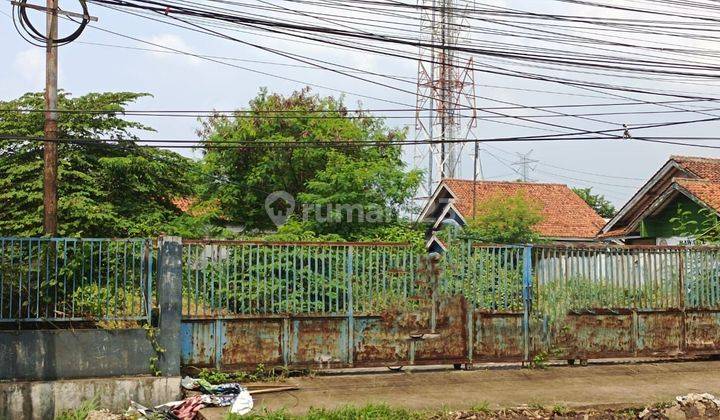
(480,181)
(697,158)
(699,180)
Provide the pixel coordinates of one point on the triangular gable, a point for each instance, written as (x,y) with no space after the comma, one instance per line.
(434,240)
(439,202)
(642,200)
(662,201)
(449,210)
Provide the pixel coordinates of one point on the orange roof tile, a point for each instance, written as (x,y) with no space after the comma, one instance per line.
(703,168)
(615,233)
(706,191)
(183,203)
(565,214)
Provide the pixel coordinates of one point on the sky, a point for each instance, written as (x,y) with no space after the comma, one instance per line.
(237,71)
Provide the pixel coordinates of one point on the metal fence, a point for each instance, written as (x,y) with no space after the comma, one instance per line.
(227,278)
(701,278)
(356,304)
(639,278)
(65,279)
(490,277)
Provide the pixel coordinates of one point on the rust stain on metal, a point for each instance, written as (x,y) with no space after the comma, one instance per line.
(593,336)
(387,339)
(319,342)
(379,341)
(201,338)
(498,337)
(247,343)
(703,331)
(659,333)
(450,338)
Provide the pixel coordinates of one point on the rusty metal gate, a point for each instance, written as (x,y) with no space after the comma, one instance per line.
(312,304)
(326,305)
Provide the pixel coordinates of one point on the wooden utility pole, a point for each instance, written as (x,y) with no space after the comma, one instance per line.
(50,159)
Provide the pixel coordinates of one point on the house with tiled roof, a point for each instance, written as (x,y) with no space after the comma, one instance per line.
(683,182)
(566,216)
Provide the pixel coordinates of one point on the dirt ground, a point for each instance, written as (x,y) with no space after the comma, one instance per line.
(599,386)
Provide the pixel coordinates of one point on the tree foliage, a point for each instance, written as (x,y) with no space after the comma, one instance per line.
(703,225)
(104,190)
(351,169)
(118,188)
(505,219)
(598,202)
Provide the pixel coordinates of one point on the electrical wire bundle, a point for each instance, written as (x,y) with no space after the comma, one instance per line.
(27,30)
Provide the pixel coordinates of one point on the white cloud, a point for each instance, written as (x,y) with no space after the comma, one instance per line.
(173,43)
(30,66)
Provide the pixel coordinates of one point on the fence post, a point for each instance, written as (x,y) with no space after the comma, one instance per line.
(470,306)
(169,292)
(527,300)
(350,310)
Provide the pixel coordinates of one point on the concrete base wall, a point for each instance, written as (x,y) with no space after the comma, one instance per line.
(44,400)
(67,354)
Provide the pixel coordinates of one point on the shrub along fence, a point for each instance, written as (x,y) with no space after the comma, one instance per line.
(235,304)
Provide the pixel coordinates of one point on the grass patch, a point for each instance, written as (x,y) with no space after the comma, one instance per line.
(373,411)
(79,413)
(260,374)
(663,405)
(537,405)
(560,410)
(481,410)
(482,407)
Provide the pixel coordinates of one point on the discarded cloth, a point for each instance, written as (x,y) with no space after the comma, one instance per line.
(189,408)
(233,394)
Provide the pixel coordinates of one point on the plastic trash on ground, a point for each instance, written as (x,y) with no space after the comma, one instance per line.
(232,395)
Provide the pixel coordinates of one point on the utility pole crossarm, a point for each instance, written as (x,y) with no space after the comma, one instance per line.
(57,11)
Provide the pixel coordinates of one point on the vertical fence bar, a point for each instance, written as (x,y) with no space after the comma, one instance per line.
(527,300)
(149,283)
(2,280)
(681,300)
(350,304)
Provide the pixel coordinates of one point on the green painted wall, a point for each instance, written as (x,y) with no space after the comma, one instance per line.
(659,226)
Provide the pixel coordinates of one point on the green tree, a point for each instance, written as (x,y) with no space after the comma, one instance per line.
(505,219)
(105,189)
(598,202)
(702,225)
(350,169)
(354,195)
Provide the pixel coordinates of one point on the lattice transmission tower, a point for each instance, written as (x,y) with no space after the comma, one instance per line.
(446,106)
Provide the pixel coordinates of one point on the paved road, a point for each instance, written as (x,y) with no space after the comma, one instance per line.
(576,387)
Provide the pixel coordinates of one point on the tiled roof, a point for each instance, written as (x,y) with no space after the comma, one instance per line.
(183,203)
(703,168)
(196,208)
(565,214)
(615,233)
(696,176)
(706,191)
